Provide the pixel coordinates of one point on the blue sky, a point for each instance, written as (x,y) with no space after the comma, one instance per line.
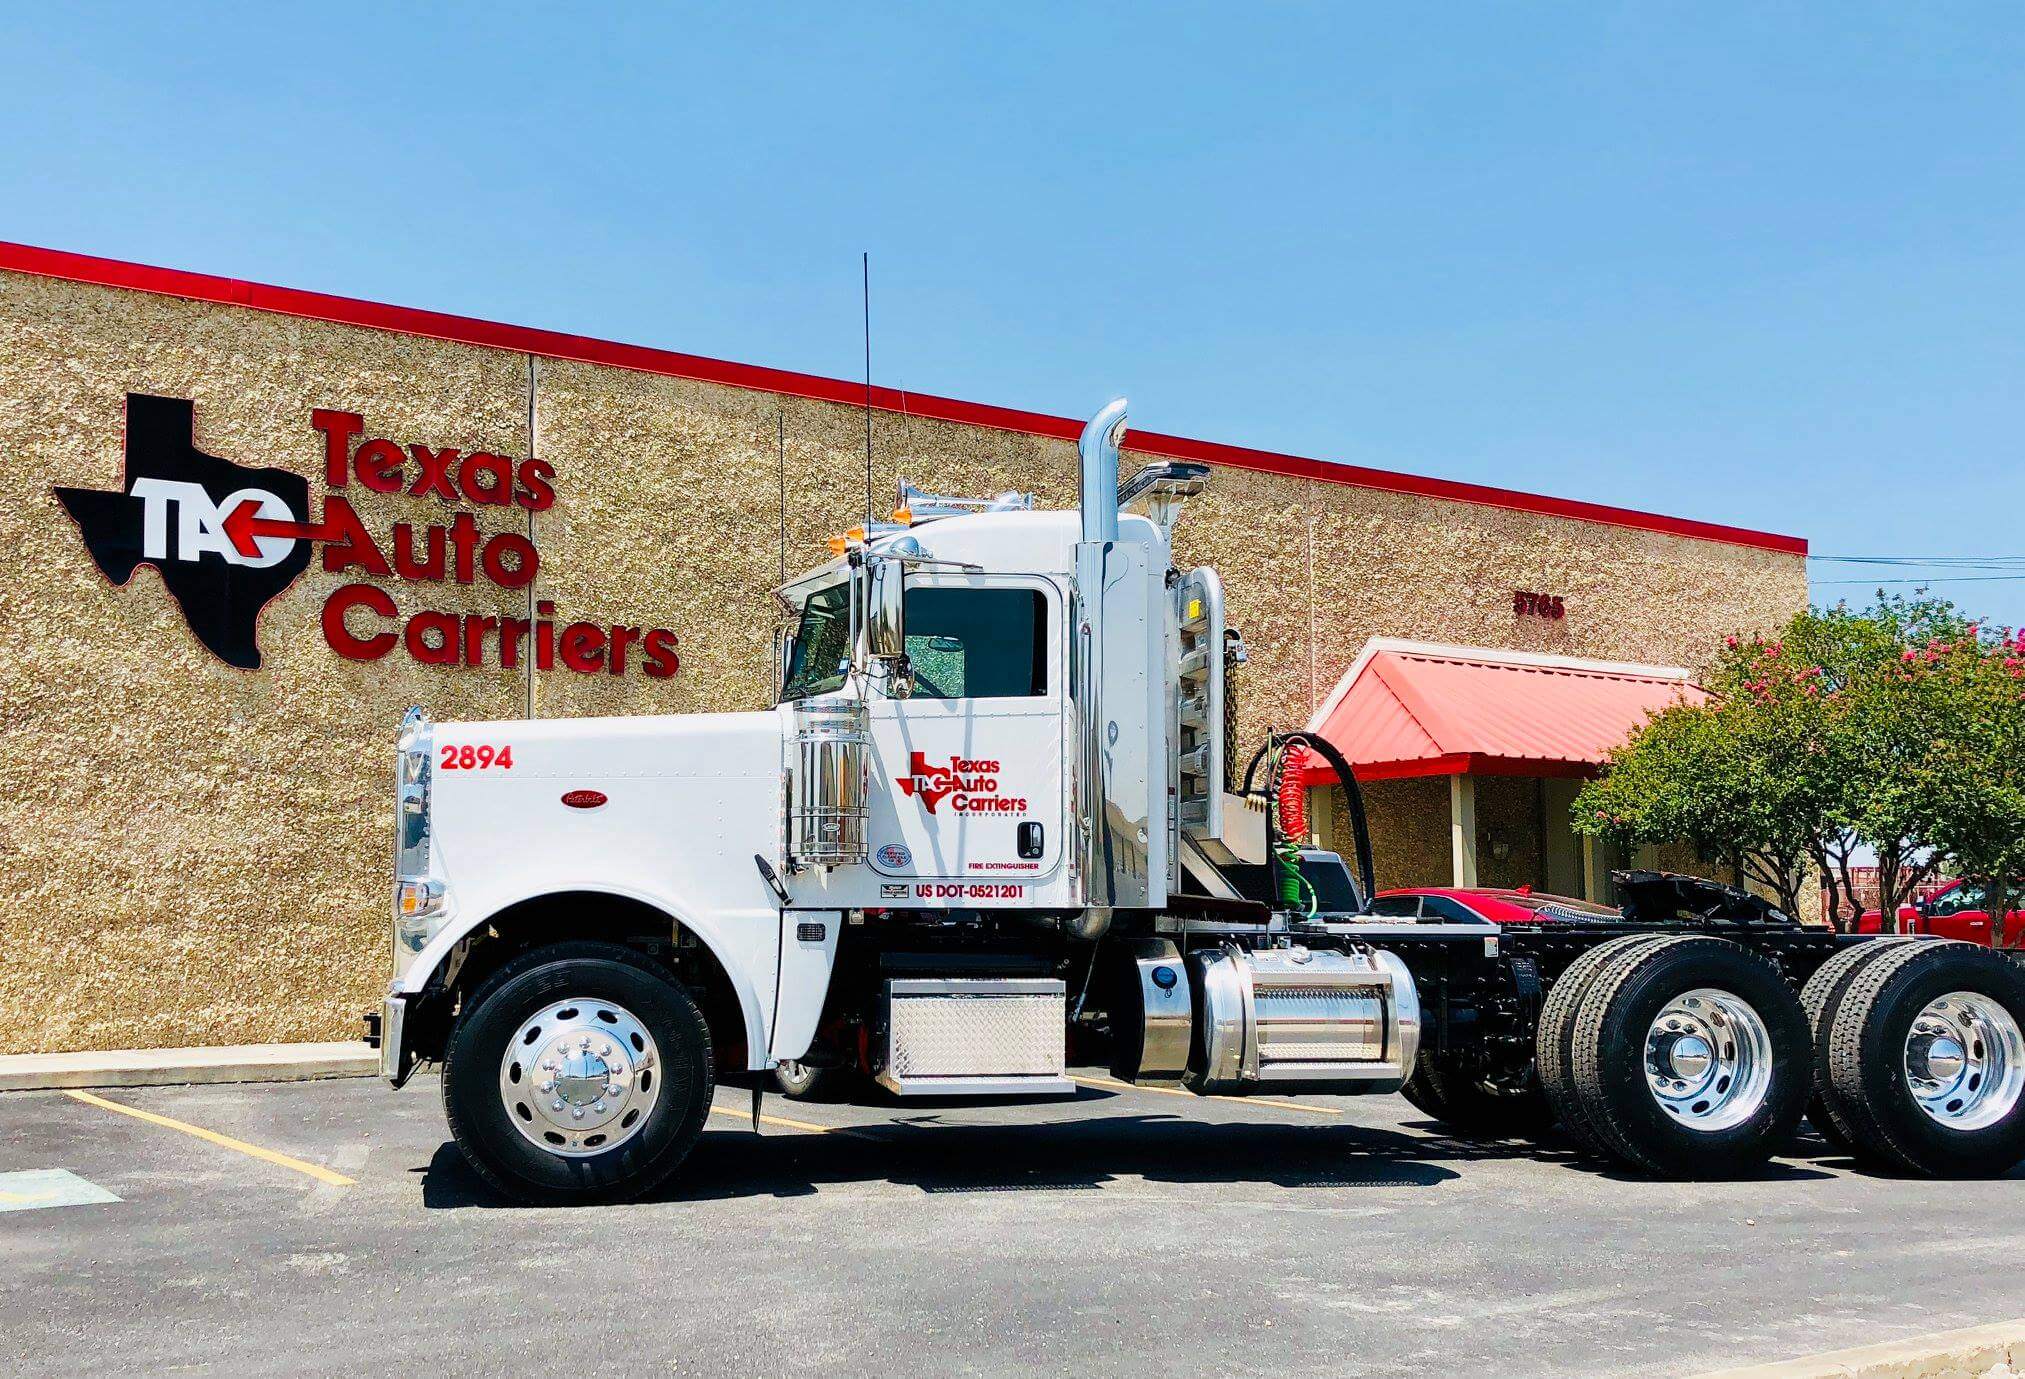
(1756,264)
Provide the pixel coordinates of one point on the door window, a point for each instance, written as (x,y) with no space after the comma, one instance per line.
(1963,897)
(968,643)
(822,645)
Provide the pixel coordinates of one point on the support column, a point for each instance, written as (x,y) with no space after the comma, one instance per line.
(1590,890)
(1462,828)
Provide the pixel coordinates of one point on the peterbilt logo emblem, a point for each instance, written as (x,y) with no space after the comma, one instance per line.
(971,781)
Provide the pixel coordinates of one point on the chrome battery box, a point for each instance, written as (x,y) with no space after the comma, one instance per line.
(1299,1018)
(976,1036)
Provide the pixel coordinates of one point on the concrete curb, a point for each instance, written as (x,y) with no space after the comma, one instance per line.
(1977,1352)
(21,1072)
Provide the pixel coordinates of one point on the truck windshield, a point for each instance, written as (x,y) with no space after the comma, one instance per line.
(822,644)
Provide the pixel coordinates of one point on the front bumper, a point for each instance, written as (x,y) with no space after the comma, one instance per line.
(386,1030)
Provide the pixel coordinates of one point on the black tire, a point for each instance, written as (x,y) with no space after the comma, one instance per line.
(1554,1040)
(1609,1057)
(1866,1084)
(804,1082)
(479,1119)
(1473,1109)
(1820,998)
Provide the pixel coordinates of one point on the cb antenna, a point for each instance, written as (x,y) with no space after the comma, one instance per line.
(867,265)
(780,451)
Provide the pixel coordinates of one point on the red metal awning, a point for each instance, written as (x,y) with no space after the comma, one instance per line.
(1415,709)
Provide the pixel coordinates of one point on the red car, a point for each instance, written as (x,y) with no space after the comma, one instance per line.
(1497,904)
(1959,911)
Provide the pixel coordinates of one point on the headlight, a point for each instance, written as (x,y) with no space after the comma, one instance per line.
(418,901)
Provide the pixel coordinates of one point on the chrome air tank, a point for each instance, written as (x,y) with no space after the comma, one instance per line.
(1290,1019)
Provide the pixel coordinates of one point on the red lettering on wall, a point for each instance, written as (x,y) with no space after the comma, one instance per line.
(338,429)
(341,602)
(535,493)
(434,478)
(460,551)
(378,465)
(349,545)
(662,661)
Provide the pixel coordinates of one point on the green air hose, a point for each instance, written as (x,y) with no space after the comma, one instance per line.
(1293,889)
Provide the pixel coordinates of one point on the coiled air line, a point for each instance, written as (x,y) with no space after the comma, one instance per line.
(1284,806)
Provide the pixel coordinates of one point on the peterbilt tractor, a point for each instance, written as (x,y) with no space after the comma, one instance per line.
(998,818)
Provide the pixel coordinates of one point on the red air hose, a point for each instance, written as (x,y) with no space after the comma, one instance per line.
(1294,798)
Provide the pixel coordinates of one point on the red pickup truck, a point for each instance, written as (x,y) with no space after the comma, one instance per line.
(1960,910)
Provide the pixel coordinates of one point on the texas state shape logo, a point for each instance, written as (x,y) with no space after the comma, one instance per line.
(197,520)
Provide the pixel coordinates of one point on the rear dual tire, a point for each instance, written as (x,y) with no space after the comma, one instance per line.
(1922,1056)
(1820,998)
(1690,1057)
(1554,1041)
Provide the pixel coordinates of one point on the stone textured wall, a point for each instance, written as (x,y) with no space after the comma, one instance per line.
(1409,831)
(194,853)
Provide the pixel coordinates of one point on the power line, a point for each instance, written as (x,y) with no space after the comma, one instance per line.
(1936,579)
(1938,561)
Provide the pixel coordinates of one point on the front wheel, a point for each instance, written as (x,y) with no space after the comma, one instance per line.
(578,1073)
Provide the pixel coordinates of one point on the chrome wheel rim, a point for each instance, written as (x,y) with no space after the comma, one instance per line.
(1965,1061)
(1708,1059)
(580,1077)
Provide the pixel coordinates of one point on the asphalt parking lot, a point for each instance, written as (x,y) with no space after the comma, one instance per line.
(1127,1229)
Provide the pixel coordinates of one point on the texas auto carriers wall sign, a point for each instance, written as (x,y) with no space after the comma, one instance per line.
(228,538)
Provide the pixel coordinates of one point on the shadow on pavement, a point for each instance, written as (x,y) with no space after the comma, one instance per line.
(924,1150)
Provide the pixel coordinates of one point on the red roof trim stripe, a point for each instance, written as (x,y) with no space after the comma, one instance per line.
(465,330)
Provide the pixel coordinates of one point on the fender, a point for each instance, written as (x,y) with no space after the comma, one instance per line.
(749,961)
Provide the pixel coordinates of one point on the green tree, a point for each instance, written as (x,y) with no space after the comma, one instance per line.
(1977,770)
(1894,730)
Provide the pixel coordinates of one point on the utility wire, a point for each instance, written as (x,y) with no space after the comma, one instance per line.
(2001,562)
(1934,579)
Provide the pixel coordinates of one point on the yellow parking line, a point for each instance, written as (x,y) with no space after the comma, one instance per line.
(1177,1091)
(316,1171)
(778,1120)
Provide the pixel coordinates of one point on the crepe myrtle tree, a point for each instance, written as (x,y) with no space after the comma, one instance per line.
(1977,772)
(1894,730)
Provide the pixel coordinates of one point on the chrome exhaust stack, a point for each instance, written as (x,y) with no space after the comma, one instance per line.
(1095,851)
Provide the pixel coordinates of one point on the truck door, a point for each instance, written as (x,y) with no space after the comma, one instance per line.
(966,800)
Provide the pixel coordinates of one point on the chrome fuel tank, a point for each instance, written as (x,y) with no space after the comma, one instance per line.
(1298,1017)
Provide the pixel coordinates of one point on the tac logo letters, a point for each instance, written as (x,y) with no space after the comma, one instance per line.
(970,785)
(175,513)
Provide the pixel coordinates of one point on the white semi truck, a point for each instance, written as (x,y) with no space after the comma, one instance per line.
(996,817)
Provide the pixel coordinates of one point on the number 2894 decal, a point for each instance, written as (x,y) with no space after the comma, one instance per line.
(482,757)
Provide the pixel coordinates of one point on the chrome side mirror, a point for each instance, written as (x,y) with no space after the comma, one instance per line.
(885,623)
